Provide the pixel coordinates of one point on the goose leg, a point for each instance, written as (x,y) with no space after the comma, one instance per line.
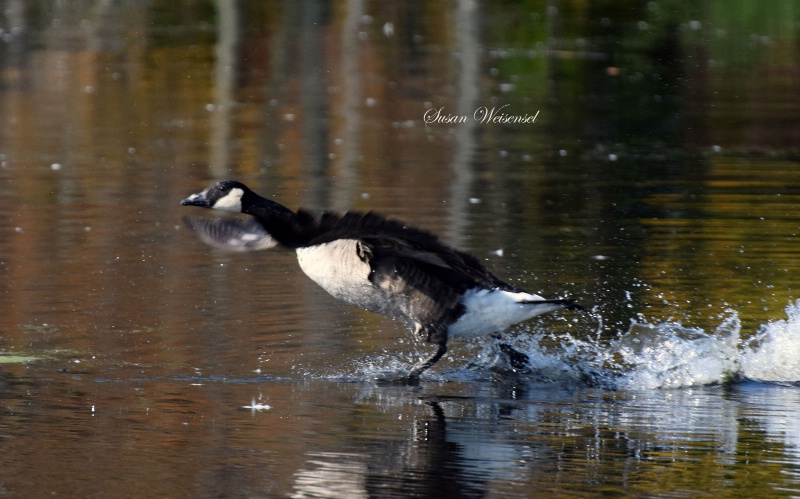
(420,368)
(518,360)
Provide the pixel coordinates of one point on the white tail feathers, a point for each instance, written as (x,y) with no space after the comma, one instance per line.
(493,311)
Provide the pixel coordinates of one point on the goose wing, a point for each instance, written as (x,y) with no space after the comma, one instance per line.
(231,233)
(389,239)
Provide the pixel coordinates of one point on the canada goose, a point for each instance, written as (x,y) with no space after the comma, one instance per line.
(377,264)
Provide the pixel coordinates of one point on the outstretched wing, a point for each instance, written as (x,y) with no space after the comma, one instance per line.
(231,233)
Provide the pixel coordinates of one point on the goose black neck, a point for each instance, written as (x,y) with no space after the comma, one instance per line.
(281,222)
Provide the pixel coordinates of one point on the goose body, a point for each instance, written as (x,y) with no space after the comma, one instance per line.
(377,264)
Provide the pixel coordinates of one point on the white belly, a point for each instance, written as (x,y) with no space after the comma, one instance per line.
(337,268)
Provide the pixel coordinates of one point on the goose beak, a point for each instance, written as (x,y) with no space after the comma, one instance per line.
(198,199)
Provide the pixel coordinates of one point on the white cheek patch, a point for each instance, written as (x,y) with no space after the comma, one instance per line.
(231,202)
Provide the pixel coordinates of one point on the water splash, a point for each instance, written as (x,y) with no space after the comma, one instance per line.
(671,355)
(644,357)
(773,353)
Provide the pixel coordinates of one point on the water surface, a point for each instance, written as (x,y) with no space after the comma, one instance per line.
(658,187)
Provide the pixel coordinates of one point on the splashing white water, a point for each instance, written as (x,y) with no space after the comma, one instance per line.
(669,355)
(773,354)
(646,356)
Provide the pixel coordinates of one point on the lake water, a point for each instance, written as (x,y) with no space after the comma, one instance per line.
(658,185)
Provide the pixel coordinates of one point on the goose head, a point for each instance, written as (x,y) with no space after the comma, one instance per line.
(227,195)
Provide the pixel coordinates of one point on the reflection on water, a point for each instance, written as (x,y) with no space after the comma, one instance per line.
(658,186)
(323,438)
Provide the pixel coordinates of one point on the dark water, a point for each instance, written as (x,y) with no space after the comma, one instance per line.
(658,186)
